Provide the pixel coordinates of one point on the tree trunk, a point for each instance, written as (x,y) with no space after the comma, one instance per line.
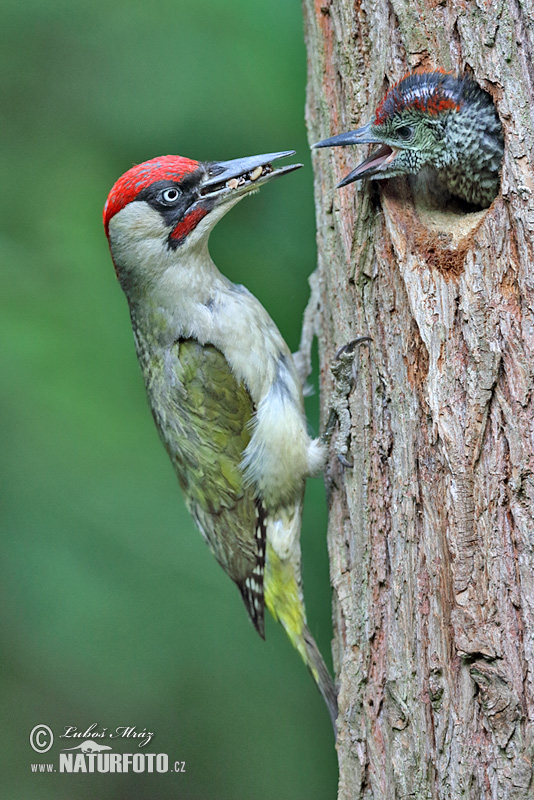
(431,533)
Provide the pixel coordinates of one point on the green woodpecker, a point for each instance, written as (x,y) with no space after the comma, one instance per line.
(438,122)
(222,385)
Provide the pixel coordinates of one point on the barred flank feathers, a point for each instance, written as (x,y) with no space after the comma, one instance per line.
(252,588)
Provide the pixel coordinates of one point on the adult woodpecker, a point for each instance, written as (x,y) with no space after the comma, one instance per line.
(222,385)
(438,121)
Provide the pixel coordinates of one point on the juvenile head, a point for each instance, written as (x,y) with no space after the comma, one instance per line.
(435,120)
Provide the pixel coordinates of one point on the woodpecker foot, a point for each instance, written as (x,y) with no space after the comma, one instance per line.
(344,371)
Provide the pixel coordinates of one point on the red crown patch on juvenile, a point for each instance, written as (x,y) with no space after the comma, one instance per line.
(142,175)
(430,92)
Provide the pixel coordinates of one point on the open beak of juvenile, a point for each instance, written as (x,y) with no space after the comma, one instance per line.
(227,179)
(378,161)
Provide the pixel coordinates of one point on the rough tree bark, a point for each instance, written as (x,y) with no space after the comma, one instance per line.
(431,534)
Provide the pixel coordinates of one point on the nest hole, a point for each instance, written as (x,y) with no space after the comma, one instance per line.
(438,227)
(442,213)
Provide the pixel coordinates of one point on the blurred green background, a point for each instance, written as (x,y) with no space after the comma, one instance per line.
(113,611)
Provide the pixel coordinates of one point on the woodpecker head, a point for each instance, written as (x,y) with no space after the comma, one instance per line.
(169,205)
(436,120)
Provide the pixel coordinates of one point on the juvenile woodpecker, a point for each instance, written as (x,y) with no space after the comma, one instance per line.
(434,120)
(222,385)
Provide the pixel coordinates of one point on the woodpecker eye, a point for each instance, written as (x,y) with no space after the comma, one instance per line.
(169,197)
(405,132)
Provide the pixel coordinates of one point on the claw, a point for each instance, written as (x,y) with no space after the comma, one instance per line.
(349,348)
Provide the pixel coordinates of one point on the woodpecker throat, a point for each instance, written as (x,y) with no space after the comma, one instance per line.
(434,121)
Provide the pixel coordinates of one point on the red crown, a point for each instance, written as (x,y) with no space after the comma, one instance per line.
(142,175)
(432,92)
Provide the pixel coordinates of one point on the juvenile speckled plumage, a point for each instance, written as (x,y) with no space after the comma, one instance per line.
(221,381)
(437,121)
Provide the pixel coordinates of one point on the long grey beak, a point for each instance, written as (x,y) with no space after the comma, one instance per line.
(360,136)
(378,161)
(248,170)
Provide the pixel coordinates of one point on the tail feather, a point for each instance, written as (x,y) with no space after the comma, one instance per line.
(315,663)
(283,598)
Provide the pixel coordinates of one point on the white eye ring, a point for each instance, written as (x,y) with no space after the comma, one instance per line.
(170,196)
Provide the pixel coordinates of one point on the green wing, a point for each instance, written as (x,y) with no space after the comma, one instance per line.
(204,420)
